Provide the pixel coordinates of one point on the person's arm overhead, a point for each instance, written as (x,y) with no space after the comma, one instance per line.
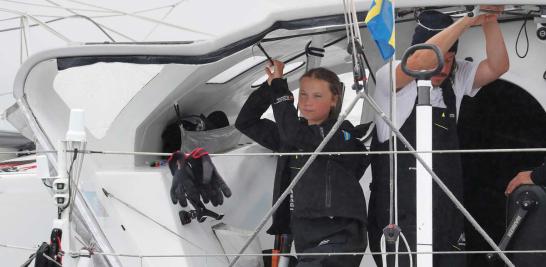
(250,123)
(426,59)
(497,62)
(495,48)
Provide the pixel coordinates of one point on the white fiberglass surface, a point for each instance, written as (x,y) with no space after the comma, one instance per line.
(287,69)
(102,90)
(237,69)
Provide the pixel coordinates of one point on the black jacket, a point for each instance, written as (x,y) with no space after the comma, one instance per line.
(330,187)
(539,174)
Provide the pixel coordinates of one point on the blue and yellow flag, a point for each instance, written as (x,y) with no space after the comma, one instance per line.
(380,22)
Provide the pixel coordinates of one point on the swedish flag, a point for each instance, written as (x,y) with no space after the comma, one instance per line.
(380,22)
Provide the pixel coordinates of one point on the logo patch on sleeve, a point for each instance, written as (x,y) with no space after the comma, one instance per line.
(283,99)
(346,135)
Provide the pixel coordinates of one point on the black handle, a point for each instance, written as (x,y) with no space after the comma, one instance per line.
(422,74)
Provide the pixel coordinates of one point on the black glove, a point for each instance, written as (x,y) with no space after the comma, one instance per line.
(217,188)
(183,186)
(194,178)
(210,183)
(178,194)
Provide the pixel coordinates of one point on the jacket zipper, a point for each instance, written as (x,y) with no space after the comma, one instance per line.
(328,197)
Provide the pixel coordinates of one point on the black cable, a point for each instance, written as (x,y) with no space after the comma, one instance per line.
(178,116)
(304,34)
(524,28)
(265,53)
(43,181)
(69,180)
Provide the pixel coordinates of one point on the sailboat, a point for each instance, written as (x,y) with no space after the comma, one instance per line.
(122,95)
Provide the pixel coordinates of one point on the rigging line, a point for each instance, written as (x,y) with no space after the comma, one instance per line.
(355,22)
(352,34)
(392,84)
(384,253)
(74,16)
(298,176)
(32,25)
(348,27)
(468,252)
(11,18)
(439,182)
(162,19)
(47,16)
(93,17)
(110,195)
(157,8)
(136,12)
(407,248)
(346,20)
(356,253)
(83,16)
(35,15)
(451,252)
(392,147)
(143,18)
(24,39)
(117,32)
(99,26)
(54,7)
(18,247)
(51,30)
(76,254)
(329,153)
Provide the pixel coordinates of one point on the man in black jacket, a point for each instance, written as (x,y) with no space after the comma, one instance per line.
(536,176)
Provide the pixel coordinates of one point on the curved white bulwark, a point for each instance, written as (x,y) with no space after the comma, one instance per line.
(128,105)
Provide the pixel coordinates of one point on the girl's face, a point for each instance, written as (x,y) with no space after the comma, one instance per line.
(315,100)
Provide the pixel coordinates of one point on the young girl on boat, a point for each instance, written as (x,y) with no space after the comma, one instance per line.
(326,210)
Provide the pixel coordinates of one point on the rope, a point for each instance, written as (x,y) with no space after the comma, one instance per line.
(275,154)
(384,253)
(333,153)
(18,247)
(351,31)
(310,254)
(76,254)
(85,17)
(49,29)
(53,7)
(142,17)
(162,19)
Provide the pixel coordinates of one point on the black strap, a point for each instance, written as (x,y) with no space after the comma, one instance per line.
(449,95)
(178,116)
(314,51)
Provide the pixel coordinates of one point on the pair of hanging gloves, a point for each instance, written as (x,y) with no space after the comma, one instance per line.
(195,178)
